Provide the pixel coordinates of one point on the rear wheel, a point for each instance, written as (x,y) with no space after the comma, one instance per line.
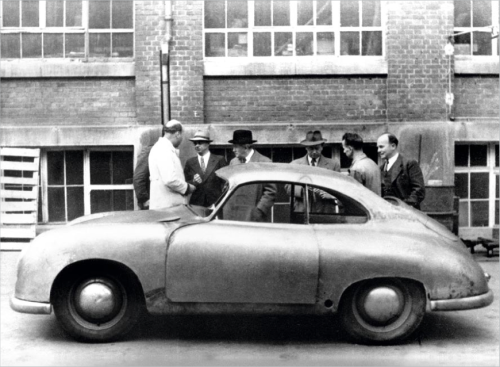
(383,310)
(98,305)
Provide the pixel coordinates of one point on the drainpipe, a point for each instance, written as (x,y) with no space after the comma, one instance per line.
(165,62)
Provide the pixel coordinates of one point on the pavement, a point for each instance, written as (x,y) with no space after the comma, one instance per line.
(457,338)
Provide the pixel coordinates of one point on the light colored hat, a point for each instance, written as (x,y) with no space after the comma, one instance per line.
(313,138)
(201,135)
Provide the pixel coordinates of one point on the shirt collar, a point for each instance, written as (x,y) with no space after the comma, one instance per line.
(205,157)
(309,159)
(392,160)
(249,156)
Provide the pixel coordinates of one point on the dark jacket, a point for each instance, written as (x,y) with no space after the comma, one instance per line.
(210,189)
(141,177)
(407,181)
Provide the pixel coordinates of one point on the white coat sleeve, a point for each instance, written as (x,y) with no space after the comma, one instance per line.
(170,171)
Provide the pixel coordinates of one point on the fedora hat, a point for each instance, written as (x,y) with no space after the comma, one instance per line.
(313,138)
(242,137)
(201,135)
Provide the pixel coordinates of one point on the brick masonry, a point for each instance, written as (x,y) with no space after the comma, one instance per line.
(476,96)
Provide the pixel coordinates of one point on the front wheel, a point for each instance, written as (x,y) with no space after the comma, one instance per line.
(383,310)
(97,306)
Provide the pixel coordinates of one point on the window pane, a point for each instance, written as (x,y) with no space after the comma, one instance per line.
(326,43)
(304,44)
(349,13)
(305,13)
(75,202)
(75,45)
(123,200)
(122,167)
(371,13)
(281,13)
(481,13)
(479,185)
(237,14)
(283,44)
(371,43)
(112,200)
(324,13)
(237,44)
(99,14)
(32,45)
(30,13)
(57,204)
(462,185)
(123,45)
(478,155)
(462,44)
(11,46)
(55,168)
(54,13)
(262,44)
(10,14)
(53,45)
(74,13)
(461,155)
(262,13)
(462,13)
(215,45)
(122,14)
(215,14)
(479,213)
(282,155)
(349,43)
(100,168)
(99,45)
(74,167)
(463,214)
(482,43)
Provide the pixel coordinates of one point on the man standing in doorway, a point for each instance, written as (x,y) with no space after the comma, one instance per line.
(401,177)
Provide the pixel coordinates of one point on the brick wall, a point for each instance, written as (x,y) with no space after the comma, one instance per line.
(417,67)
(67,102)
(476,96)
(186,62)
(294,99)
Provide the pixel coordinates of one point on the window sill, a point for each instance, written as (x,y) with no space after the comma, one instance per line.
(66,68)
(476,64)
(345,65)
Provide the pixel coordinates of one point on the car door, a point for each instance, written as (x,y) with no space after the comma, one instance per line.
(238,261)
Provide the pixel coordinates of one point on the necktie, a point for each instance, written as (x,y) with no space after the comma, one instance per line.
(313,162)
(386,167)
(242,160)
(202,164)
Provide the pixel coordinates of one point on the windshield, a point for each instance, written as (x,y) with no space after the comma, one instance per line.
(204,211)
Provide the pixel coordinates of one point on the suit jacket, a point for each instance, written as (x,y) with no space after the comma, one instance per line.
(318,205)
(252,197)
(407,181)
(141,177)
(211,187)
(168,185)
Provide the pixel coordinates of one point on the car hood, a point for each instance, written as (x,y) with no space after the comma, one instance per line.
(177,213)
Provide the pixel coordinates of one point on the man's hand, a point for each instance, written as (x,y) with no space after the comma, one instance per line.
(197,179)
(324,195)
(191,189)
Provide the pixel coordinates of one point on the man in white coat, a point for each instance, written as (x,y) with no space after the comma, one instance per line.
(168,185)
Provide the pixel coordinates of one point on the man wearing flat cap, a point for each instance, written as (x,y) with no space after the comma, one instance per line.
(200,171)
(321,202)
(260,198)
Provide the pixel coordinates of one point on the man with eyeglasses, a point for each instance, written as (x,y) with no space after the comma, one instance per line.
(200,171)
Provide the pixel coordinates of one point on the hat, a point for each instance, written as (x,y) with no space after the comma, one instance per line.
(313,138)
(242,137)
(202,135)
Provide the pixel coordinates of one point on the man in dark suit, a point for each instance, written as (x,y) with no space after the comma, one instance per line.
(401,177)
(253,202)
(200,171)
(141,178)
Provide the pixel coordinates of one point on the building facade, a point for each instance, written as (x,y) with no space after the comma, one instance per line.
(91,82)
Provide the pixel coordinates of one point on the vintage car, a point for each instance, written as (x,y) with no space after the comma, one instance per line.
(377,263)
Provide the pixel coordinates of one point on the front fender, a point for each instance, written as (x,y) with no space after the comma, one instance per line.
(141,247)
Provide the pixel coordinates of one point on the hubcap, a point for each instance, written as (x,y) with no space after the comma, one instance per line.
(381,305)
(97,300)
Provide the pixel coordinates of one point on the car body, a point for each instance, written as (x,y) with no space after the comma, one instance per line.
(377,262)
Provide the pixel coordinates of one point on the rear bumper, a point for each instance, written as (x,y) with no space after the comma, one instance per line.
(467,303)
(23,306)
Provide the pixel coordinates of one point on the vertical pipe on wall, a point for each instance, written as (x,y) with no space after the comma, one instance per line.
(165,62)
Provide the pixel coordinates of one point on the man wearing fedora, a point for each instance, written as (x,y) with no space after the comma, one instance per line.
(200,171)
(258,197)
(322,202)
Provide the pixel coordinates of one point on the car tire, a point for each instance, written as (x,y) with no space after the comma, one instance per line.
(382,311)
(100,305)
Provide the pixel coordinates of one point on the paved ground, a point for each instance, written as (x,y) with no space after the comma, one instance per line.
(467,338)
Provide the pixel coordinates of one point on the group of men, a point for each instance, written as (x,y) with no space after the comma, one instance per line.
(161,182)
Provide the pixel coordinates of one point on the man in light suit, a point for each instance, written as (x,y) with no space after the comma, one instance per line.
(401,177)
(253,202)
(168,185)
(321,202)
(200,171)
